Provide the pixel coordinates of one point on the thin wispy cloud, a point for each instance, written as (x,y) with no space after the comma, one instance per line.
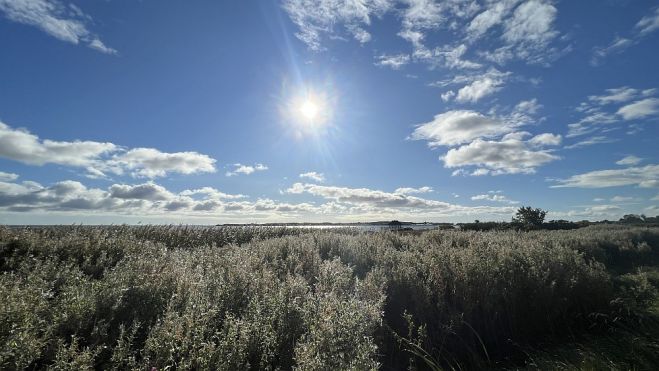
(629,160)
(7,177)
(641,176)
(614,106)
(519,30)
(64,22)
(645,26)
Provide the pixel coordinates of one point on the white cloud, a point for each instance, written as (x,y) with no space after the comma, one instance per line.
(591,141)
(546,139)
(410,190)
(532,22)
(146,191)
(447,56)
(316,18)
(62,22)
(605,109)
(640,109)
(649,23)
(494,197)
(644,176)
(20,145)
(151,163)
(140,199)
(366,199)
(524,29)
(246,169)
(644,27)
(495,145)
(211,193)
(318,177)
(478,89)
(447,95)
(457,127)
(615,95)
(618,45)
(597,211)
(393,61)
(629,160)
(421,14)
(150,200)
(99,158)
(7,177)
(622,199)
(490,17)
(508,156)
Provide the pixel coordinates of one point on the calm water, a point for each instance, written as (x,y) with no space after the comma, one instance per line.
(366,227)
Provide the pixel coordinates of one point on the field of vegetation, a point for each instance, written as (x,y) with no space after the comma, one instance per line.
(179,298)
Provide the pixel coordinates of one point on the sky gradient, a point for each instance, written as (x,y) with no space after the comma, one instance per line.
(297,110)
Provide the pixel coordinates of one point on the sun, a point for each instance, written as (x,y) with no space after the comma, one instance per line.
(309,109)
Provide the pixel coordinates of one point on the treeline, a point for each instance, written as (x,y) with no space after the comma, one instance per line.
(527,218)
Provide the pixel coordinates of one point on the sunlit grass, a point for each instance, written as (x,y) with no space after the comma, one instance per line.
(236,298)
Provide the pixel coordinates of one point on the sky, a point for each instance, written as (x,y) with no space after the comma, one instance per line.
(205,112)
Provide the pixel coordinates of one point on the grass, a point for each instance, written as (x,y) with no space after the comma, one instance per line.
(121,297)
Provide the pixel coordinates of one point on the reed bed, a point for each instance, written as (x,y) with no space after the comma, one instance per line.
(227,298)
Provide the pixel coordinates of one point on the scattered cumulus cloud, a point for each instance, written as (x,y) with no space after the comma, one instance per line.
(393,61)
(478,89)
(640,109)
(7,177)
(629,160)
(494,196)
(318,177)
(493,145)
(245,169)
(457,127)
(509,156)
(151,163)
(66,23)
(370,199)
(146,191)
(151,199)
(99,158)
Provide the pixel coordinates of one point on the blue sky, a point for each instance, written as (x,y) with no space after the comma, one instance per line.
(299,110)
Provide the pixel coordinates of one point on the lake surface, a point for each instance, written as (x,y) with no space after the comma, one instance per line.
(362,227)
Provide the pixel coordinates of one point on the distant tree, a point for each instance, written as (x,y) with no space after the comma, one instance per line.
(529,217)
(632,218)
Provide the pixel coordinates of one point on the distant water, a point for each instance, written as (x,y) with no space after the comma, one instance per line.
(362,227)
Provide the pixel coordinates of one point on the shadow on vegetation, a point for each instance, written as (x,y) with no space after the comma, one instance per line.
(121,297)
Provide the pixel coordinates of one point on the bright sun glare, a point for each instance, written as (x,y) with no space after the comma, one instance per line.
(309,109)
